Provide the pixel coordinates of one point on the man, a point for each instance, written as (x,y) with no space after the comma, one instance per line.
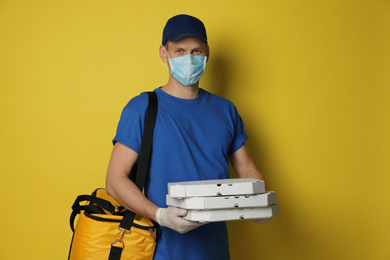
(196,135)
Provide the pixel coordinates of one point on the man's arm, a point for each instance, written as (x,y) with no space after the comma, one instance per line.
(245,168)
(121,188)
(244,165)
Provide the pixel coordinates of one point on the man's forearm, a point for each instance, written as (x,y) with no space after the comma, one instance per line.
(128,195)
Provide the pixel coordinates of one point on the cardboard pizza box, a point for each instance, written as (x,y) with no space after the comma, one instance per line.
(221,187)
(221,202)
(216,215)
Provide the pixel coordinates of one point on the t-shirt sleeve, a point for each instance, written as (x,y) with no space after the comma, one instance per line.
(130,126)
(239,133)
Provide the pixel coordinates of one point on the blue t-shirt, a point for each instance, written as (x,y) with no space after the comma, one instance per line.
(192,141)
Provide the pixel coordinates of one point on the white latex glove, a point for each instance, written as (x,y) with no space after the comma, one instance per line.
(261,221)
(172,218)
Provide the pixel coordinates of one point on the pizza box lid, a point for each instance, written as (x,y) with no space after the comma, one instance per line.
(221,202)
(216,215)
(220,187)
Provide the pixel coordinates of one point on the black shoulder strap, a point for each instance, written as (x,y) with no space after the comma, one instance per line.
(147,140)
(144,157)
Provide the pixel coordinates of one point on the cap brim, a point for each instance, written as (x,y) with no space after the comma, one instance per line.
(178,36)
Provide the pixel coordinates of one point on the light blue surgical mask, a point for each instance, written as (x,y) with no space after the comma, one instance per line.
(187,69)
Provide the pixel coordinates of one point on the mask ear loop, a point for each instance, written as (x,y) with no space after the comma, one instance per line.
(169,60)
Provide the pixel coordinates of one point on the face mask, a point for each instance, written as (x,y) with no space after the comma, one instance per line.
(187,69)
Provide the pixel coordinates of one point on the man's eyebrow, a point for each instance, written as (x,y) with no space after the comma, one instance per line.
(196,48)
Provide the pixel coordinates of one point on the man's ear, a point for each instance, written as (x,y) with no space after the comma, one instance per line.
(163,54)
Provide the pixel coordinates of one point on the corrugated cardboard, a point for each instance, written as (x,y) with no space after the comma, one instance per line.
(216,215)
(221,202)
(222,187)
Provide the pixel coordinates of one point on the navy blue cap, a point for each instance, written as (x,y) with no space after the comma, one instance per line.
(183,25)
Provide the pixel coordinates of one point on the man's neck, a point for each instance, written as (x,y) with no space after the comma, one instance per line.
(174,88)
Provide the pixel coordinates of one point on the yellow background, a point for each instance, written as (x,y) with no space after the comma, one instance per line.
(310,79)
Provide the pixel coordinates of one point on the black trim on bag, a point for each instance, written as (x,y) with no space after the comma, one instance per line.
(118,221)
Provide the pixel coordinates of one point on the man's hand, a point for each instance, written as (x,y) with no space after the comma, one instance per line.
(172,218)
(261,221)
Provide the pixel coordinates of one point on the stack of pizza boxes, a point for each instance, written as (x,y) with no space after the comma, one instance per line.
(223,200)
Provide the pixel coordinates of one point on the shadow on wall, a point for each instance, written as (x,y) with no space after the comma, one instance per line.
(245,236)
(220,71)
(222,75)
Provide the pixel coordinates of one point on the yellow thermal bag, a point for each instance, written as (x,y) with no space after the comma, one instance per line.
(98,236)
(105,229)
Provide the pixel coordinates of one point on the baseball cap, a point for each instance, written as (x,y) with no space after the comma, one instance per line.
(184,25)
